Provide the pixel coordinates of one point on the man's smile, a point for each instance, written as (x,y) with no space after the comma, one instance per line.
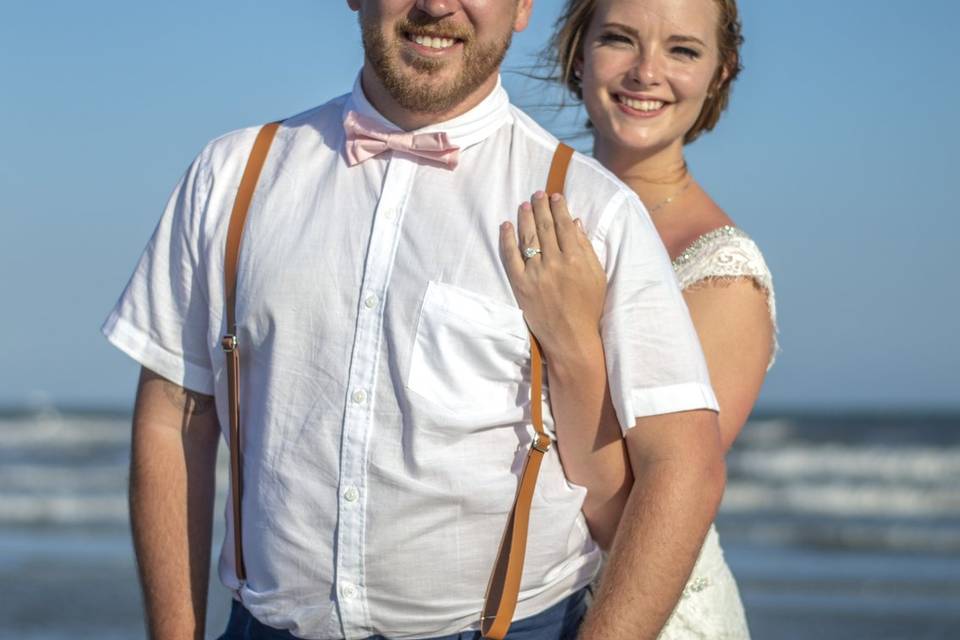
(430,44)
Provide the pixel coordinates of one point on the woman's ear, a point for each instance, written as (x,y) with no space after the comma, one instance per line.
(724,76)
(726,70)
(719,81)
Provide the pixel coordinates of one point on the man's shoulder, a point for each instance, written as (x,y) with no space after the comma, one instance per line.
(232,148)
(323,118)
(585,174)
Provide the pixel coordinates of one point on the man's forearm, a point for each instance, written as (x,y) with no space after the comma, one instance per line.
(661,532)
(172,486)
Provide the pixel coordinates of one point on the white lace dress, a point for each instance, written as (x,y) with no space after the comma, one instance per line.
(710,606)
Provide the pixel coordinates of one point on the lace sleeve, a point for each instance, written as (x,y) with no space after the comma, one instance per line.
(728,252)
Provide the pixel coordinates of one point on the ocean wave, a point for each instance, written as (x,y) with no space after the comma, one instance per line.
(35,478)
(851,463)
(63,510)
(55,431)
(843,500)
(841,534)
(790,482)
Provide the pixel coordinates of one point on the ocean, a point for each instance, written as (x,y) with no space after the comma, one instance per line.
(837,526)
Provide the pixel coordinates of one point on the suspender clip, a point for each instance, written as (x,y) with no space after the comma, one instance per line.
(542,443)
(228,343)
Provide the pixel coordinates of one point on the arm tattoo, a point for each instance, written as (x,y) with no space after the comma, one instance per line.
(190,402)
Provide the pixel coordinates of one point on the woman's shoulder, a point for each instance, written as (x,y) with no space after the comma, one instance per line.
(724,251)
(723,255)
(703,242)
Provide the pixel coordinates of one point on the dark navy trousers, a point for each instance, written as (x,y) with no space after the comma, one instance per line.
(559,622)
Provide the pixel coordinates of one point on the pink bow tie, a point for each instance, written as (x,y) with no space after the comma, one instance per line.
(367,138)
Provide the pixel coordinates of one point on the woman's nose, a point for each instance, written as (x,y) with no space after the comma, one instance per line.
(647,71)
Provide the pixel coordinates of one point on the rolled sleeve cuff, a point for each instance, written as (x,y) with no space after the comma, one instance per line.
(141,347)
(639,403)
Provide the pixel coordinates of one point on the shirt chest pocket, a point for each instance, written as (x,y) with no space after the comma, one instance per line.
(470,358)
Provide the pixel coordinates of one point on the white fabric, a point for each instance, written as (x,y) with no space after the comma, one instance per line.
(728,252)
(385,368)
(710,607)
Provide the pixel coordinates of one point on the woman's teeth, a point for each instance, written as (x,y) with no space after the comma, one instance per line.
(642,105)
(433,43)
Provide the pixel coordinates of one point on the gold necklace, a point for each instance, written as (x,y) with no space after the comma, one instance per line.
(671,197)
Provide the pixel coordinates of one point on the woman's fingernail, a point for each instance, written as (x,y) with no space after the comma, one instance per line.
(526,206)
(556,197)
(539,194)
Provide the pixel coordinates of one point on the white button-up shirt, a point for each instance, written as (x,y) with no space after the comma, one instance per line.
(385,364)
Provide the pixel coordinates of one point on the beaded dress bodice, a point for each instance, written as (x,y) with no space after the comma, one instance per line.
(727,252)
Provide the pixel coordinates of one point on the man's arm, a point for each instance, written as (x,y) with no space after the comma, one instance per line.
(677,462)
(172,486)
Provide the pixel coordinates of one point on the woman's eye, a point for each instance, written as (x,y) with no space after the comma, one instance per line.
(686,52)
(615,37)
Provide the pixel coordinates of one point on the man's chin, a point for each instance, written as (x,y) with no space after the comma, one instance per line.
(432,89)
(417,67)
(434,84)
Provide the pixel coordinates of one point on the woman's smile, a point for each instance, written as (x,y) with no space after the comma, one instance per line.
(640,106)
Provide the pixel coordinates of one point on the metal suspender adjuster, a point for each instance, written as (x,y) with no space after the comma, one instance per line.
(228,343)
(542,443)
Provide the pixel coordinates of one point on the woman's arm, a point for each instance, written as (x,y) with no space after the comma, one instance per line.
(561,292)
(733,322)
(589,439)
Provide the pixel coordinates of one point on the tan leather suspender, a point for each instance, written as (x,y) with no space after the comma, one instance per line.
(504,585)
(230,345)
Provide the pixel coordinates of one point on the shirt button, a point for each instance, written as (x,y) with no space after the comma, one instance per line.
(371,301)
(351,494)
(349,591)
(359,396)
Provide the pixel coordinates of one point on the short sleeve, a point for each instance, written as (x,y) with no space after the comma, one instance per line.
(728,252)
(162,318)
(654,361)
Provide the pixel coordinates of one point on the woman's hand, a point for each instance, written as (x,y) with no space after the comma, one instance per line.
(561,289)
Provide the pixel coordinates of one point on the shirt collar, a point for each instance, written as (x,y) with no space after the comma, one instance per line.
(465,130)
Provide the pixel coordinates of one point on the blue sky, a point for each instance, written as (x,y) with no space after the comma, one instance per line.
(836,156)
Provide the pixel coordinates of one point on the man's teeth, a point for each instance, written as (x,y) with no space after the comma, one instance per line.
(642,105)
(434,43)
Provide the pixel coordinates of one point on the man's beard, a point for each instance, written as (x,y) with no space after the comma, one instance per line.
(413,91)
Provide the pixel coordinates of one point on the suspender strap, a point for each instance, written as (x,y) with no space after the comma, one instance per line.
(504,586)
(230,345)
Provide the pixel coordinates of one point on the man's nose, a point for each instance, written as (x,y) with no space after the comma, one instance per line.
(438,8)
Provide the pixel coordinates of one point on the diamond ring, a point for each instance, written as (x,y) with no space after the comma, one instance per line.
(530,252)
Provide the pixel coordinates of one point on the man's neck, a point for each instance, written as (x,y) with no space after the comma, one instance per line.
(408,120)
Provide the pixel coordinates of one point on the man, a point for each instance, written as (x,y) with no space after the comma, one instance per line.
(386,367)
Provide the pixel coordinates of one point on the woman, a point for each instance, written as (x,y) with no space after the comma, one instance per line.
(653,76)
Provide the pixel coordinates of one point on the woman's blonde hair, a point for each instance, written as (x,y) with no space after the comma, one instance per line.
(566,48)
